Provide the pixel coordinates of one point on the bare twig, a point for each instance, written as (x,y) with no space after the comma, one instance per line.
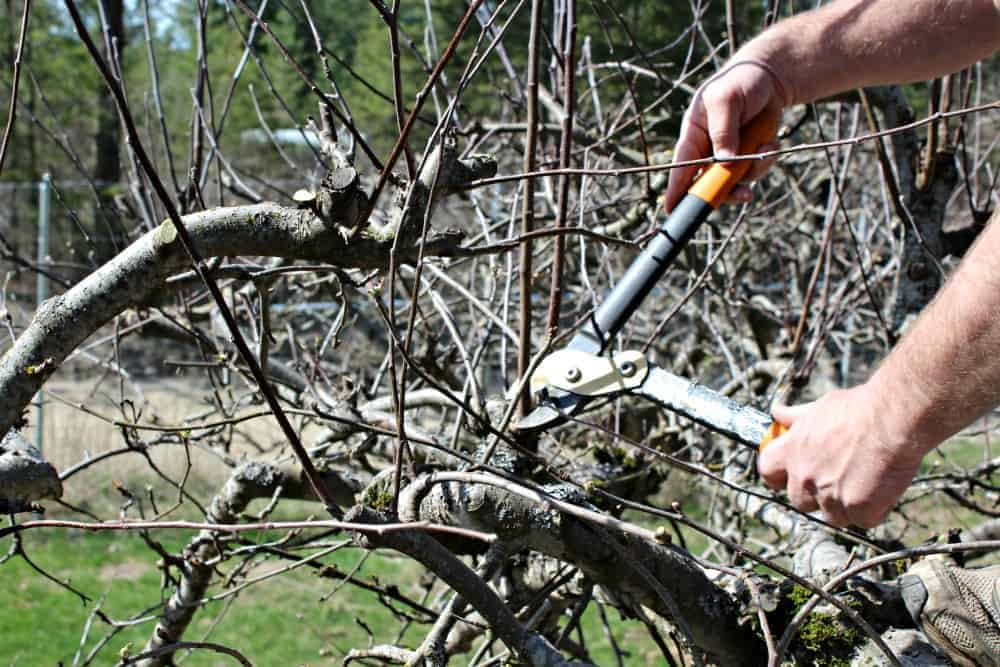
(12,109)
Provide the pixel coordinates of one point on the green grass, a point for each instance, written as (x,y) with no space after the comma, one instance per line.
(962,452)
(937,513)
(40,619)
(279,622)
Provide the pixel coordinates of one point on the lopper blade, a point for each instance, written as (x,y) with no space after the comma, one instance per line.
(554,408)
(539,419)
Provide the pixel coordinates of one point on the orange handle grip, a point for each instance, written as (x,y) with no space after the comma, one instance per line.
(773,431)
(715,184)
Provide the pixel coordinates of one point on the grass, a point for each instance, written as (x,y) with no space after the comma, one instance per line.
(280,622)
(936,514)
(959,451)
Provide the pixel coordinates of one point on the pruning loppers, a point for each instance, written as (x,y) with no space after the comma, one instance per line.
(566,380)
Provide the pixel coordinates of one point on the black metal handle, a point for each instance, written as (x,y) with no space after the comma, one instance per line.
(707,193)
(642,275)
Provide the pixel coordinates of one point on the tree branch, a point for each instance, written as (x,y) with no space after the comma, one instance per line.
(490,503)
(534,649)
(136,277)
(24,475)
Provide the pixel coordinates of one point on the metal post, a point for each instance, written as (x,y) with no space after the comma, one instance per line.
(42,293)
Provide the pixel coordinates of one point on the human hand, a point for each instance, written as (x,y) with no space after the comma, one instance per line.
(711,125)
(840,455)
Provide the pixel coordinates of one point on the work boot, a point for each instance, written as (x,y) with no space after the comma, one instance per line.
(958,609)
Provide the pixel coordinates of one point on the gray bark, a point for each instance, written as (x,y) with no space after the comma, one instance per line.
(620,562)
(530,647)
(988,530)
(910,646)
(924,246)
(24,475)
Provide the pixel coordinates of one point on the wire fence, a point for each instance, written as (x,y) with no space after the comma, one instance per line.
(73,235)
(15,231)
(21,214)
(88,223)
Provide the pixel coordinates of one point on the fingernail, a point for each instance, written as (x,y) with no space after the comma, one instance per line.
(723,154)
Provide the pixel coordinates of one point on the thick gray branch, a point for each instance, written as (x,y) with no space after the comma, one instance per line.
(136,275)
(604,555)
(24,475)
(532,648)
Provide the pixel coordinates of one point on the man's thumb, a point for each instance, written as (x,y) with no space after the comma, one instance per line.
(723,126)
(787,414)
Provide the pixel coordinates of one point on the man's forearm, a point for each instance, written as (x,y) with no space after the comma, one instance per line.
(945,372)
(855,43)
